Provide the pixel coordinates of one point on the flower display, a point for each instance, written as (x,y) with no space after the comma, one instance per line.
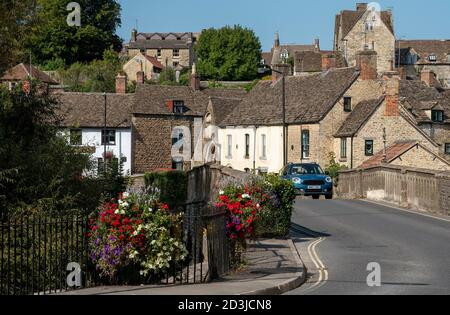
(137,230)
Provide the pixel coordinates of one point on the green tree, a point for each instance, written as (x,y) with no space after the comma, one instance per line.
(228,53)
(39,170)
(52,38)
(16,20)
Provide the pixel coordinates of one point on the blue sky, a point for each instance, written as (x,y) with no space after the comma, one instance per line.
(298,21)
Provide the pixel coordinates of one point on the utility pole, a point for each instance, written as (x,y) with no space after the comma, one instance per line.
(104,134)
(384,146)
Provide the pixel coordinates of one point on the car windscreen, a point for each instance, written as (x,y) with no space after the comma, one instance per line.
(306,169)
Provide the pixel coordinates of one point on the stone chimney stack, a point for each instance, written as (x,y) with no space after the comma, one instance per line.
(361,7)
(283,68)
(317,44)
(391,90)
(121,83)
(194,79)
(276,43)
(328,62)
(133,35)
(429,77)
(140,77)
(366,62)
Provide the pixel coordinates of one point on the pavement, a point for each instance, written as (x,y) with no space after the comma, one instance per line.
(273,266)
(338,239)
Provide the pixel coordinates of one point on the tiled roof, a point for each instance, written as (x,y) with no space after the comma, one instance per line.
(154,61)
(418,97)
(425,48)
(392,152)
(360,114)
(308,99)
(291,49)
(311,61)
(87,109)
(222,107)
(153,99)
(158,44)
(21,72)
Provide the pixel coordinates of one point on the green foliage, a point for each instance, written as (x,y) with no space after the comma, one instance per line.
(39,170)
(167,76)
(97,76)
(172,186)
(249,86)
(275,218)
(16,21)
(228,54)
(333,168)
(51,37)
(112,180)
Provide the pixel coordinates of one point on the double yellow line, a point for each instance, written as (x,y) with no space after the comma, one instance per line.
(323,272)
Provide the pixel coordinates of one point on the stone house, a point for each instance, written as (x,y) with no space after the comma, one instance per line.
(417,56)
(83,121)
(406,110)
(367,27)
(406,154)
(170,49)
(148,65)
(22,73)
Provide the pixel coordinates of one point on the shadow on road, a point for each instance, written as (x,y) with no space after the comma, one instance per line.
(298,229)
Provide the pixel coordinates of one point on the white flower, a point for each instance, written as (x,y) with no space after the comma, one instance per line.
(246,196)
(120,202)
(125,204)
(222,192)
(122,212)
(117,211)
(258,206)
(126,195)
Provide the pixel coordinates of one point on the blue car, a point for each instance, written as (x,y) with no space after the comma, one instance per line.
(309,180)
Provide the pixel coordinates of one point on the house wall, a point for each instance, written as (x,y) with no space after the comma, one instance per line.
(167,54)
(442,73)
(384,44)
(132,67)
(397,129)
(274,152)
(92,137)
(152,141)
(410,158)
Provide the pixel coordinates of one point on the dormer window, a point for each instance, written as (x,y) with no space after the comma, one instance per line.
(284,55)
(437,115)
(432,58)
(178,107)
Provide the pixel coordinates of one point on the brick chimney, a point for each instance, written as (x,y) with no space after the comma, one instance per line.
(402,72)
(366,62)
(328,62)
(391,90)
(140,77)
(361,7)
(429,77)
(121,83)
(194,78)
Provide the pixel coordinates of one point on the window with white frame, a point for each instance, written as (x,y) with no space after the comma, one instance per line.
(229,146)
(343,148)
(247,146)
(305,144)
(108,137)
(263,146)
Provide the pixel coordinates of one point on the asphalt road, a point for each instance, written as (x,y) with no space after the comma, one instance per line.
(412,250)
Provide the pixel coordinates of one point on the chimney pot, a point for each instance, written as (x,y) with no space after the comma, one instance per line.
(361,6)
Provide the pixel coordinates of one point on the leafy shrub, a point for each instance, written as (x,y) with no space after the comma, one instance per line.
(275,218)
(172,186)
(333,168)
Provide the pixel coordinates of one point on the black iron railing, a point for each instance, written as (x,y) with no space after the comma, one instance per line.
(36,251)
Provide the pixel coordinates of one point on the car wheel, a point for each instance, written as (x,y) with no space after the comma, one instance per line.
(328,197)
(316,197)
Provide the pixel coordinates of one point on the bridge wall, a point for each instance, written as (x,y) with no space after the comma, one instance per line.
(418,189)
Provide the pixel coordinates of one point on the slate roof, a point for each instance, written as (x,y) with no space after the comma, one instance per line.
(311,61)
(222,107)
(153,99)
(348,19)
(360,114)
(87,109)
(418,97)
(308,99)
(424,48)
(392,152)
(291,49)
(21,72)
(158,44)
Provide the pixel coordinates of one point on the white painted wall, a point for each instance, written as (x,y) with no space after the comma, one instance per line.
(92,137)
(274,152)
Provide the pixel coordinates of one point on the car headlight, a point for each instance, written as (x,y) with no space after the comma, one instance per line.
(329,179)
(297,180)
